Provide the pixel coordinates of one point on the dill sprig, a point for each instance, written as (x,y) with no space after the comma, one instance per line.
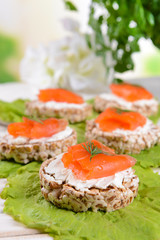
(94,150)
(37,119)
(120,111)
(117,81)
(34,118)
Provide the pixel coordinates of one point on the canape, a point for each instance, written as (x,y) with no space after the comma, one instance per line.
(125,131)
(127,96)
(31,140)
(59,103)
(90,176)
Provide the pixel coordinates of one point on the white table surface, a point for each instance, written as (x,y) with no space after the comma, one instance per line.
(9,228)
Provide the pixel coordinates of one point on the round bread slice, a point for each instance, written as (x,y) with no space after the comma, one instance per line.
(72,113)
(125,141)
(145,107)
(24,150)
(65,195)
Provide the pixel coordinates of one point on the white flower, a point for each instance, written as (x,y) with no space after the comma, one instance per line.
(68,63)
(70,24)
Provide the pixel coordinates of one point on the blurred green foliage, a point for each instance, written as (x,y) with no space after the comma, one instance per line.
(70,6)
(125,22)
(152,64)
(8,50)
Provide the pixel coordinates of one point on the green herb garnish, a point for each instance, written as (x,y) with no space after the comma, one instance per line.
(118,81)
(136,85)
(120,111)
(94,150)
(34,118)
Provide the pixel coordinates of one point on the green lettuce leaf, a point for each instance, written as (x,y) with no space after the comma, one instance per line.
(8,168)
(140,220)
(15,110)
(25,203)
(156,117)
(12,112)
(149,157)
(80,129)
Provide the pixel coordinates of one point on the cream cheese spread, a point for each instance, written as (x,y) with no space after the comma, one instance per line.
(148,102)
(139,130)
(127,104)
(6,137)
(112,97)
(59,105)
(56,172)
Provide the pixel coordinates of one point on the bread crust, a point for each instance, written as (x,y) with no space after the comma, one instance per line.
(100,104)
(71,114)
(122,143)
(39,151)
(66,196)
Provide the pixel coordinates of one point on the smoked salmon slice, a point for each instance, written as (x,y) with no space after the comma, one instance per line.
(59,95)
(130,92)
(113,118)
(34,130)
(78,159)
